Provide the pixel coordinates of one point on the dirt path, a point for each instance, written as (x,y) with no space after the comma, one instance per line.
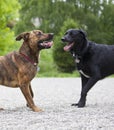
(54,96)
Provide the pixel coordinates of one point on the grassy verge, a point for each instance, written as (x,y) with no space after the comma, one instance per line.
(57,74)
(48,68)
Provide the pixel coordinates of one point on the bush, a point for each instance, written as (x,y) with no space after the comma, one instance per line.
(64,60)
(8,14)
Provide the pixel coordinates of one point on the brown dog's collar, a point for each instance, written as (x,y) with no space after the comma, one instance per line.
(27,58)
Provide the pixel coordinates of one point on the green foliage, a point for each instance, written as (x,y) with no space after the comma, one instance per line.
(107,24)
(6,40)
(64,60)
(49,15)
(8,12)
(33,11)
(47,67)
(46,63)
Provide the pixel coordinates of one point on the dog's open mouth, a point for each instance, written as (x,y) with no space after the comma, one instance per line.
(45,44)
(68,47)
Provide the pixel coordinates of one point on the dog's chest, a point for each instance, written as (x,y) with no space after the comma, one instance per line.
(83,67)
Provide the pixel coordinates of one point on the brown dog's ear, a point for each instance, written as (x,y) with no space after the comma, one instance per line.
(24,36)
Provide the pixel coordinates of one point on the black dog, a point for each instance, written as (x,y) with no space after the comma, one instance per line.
(94,61)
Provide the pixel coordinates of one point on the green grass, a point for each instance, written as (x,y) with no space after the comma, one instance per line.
(57,74)
(48,67)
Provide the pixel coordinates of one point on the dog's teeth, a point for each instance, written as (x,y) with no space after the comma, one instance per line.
(45,42)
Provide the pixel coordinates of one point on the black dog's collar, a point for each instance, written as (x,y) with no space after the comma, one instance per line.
(77,60)
(76,57)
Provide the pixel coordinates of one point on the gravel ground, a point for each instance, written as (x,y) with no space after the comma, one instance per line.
(54,96)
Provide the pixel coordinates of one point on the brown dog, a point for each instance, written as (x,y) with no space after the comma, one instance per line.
(17,69)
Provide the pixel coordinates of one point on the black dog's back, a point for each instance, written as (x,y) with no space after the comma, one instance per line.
(103,57)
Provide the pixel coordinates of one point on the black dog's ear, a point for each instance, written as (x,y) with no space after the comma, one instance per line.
(83,32)
(24,36)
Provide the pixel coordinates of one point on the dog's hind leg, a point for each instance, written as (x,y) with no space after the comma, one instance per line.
(25,90)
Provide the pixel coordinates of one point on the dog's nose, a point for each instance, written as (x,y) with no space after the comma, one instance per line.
(63,39)
(51,35)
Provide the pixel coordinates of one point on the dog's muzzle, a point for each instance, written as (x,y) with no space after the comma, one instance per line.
(47,43)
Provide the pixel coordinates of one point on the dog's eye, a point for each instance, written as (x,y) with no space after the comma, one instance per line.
(71,33)
(39,33)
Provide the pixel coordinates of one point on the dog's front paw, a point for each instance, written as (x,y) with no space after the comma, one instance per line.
(36,109)
(79,104)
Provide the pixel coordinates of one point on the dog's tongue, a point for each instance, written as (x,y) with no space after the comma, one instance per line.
(49,44)
(67,47)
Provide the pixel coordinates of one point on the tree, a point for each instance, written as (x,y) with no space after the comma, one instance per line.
(47,15)
(64,60)
(107,24)
(8,13)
